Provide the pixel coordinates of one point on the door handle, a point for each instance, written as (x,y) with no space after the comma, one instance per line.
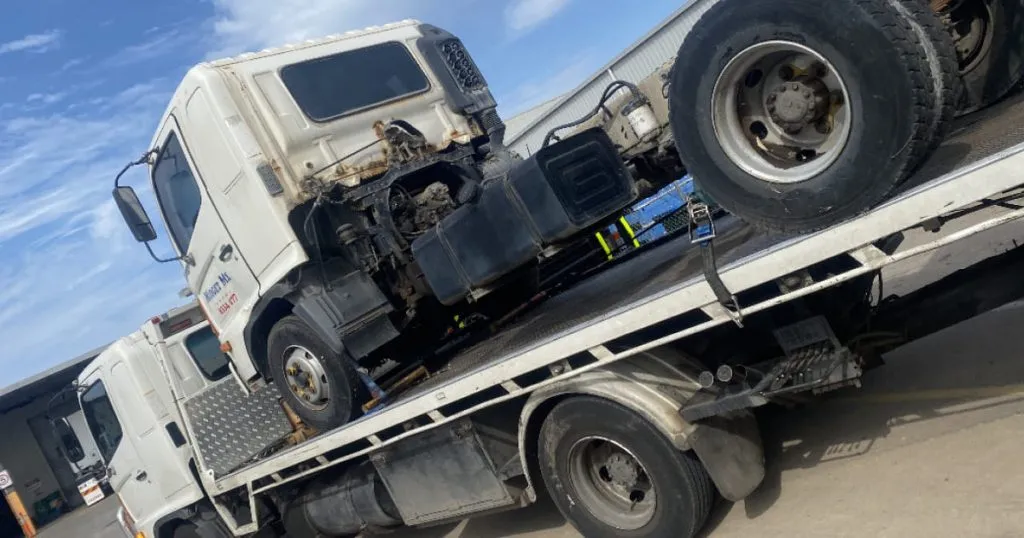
(141,476)
(225,252)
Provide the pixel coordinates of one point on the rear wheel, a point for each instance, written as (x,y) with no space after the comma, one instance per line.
(611,473)
(322,386)
(989,38)
(794,116)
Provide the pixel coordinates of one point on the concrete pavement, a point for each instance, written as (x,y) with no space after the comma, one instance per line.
(96,521)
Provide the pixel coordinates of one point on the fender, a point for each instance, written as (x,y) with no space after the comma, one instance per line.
(350,316)
(656,384)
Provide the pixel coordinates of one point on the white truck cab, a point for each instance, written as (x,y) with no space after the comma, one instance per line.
(133,418)
(335,203)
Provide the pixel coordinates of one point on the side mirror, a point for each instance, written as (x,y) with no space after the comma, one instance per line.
(134,214)
(68,440)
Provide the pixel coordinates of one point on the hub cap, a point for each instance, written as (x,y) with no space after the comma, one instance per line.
(306,377)
(781,112)
(612,483)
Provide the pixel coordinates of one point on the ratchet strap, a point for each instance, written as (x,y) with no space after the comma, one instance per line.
(702,232)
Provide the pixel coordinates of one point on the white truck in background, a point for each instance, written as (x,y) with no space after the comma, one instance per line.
(131,399)
(82,454)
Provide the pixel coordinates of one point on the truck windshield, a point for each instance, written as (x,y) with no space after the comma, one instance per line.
(328,87)
(103,423)
(204,347)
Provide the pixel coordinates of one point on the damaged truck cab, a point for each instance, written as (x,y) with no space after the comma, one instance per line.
(336,202)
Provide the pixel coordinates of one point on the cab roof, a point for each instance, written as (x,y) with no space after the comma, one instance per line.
(206,69)
(351,34)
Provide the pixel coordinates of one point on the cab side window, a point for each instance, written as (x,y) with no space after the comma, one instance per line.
(204,347)
(102,420)
(177,192)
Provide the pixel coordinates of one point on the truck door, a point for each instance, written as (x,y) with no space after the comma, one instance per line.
(128,477)
(215,268)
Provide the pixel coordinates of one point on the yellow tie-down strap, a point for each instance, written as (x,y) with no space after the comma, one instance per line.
(604,243)
(629,230)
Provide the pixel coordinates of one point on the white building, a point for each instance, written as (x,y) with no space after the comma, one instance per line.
(525,132)
(42,477)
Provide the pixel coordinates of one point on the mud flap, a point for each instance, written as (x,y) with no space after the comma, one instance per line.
(731,450)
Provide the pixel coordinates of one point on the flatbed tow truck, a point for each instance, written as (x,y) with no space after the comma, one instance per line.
(348,203)
(485,430)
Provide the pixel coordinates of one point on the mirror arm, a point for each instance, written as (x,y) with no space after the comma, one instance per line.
(186,258)
(144,159)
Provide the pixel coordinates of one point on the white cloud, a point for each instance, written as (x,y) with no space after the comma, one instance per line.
(46,98)
(522,15)
(71,63)
(70,268)
(248,25)
(163,43)
(32,42)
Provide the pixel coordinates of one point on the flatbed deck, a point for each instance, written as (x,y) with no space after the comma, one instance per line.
(982,158)
(677,262)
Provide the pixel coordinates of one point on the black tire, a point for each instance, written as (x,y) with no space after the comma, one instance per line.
(943,70)
(1001,67)
(891,96)
(347,392)
(684,491)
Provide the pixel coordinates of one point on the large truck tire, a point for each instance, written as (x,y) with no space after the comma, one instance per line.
(989,37)
(613,474)
(943,69)
(321,386)
(795,115)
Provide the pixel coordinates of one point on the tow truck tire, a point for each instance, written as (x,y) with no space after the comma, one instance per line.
(843,128)
(613,474)
(296,351)
(1000,64)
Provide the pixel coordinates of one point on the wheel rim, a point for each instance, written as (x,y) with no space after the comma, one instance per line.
(306,377)
(971,30)
(612,483)
(781,112)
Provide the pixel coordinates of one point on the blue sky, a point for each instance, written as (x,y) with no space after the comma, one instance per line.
(82,85)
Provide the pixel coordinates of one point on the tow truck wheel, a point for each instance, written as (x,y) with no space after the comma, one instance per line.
(795,115)
(611,473)
(322,386)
